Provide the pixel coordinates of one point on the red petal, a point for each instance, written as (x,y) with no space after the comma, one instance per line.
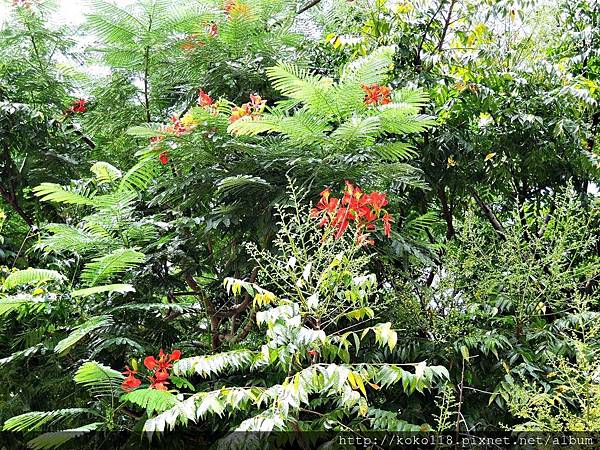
(150,362)
(164,158)
(161,375)
(176,355)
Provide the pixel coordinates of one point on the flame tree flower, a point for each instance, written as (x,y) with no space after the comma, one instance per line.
(377,95)
(159,369)
(365,210)
(253,109)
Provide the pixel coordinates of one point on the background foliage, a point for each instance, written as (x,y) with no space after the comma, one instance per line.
(171,209)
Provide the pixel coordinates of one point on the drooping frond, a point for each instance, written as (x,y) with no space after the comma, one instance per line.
(55,439)
(357,130)
(99,379)
(399,121)
(108,288)
(369,69)
(417,98)
(70,238)
(380,419)
(324,380)
(400,174)
(105,172)
(113,23)
(16,302)
(52,192)
(297,83)
(31,276)
(420,223)
(152,400)
(103,268)
(214,364)
(21,354)
(395,151)
(302,127)
(34,420)
(233,186)
(115,342)
(81,331)
(140,176)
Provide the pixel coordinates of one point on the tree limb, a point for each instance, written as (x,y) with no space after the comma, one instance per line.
(307,6)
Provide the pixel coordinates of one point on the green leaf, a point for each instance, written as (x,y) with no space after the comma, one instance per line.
(151,400)
(105,267)
(110,288)
(464,351)
(52,192)
(105,172)
(31,275)
(81,331)
(34,420)
(99,379)
(56,439)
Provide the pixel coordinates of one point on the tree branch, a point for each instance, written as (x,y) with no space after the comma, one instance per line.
(307,6)
(487,211)
(446,25)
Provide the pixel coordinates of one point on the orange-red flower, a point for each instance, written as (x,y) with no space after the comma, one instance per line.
(164,158)
(355,206)
(204,99)
(191,42)
(387,224)
(377,95)
(130,382)
(160,371)
(253,109)
(78,106)
(237,112)
(229,5)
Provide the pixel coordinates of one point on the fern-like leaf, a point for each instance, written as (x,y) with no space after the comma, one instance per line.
(31,275)
(369,69)
(108,288)
(81,331)
(105,172)
(55,439)
(151,400)
(34,420)
(52,192)
(105,267)
(99,379)
(241,184)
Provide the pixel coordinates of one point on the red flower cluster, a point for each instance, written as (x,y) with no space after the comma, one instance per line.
(78,106)
(206,102)
(160,369)
(253,109)
(377,95)
(130,382)
(176,128)
(229,5)
(363,209)
(204,99)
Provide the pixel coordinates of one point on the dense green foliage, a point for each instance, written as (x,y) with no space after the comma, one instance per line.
(176,257)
